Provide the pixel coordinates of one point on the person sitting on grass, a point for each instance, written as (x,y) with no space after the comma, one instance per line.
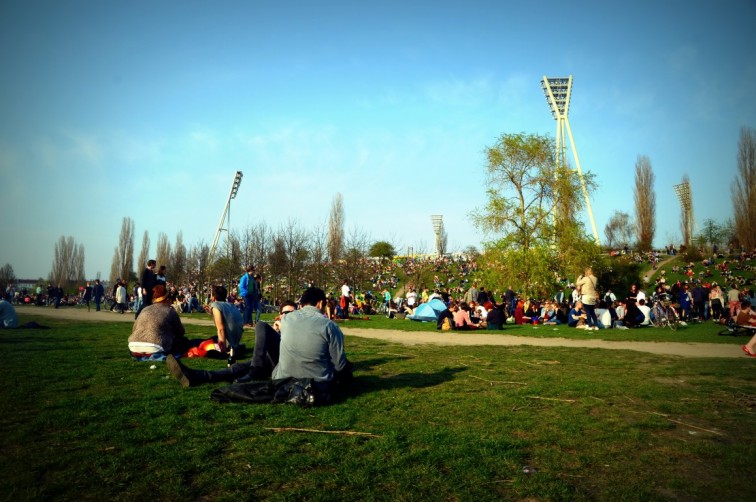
(462,319)
(633,317)
(747,317)
(227,318)
(646,311)
(495,317)
(158,330)
(577,316)
(549,313)
(310,346)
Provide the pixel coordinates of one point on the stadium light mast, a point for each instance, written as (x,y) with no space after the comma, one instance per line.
(226,216)
(438,229)
(686,204)
(558,91)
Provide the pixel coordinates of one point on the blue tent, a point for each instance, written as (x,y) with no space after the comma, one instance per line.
(428,311)
(437,305)
(424,312)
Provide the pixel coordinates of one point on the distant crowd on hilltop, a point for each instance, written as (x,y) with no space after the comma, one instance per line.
(391,286)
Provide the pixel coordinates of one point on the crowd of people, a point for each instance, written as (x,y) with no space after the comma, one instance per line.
(305,342)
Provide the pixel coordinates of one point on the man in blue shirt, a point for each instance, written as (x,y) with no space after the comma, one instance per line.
(247,292)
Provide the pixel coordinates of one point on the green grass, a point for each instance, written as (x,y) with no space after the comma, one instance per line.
(81,421)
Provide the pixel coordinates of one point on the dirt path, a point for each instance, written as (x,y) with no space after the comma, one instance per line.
(439,338)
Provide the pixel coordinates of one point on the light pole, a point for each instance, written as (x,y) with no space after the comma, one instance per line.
(686,204)
(557,91)
(438,229)
(226,216)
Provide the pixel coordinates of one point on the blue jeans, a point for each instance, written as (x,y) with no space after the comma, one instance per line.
(248,301)
(590,314)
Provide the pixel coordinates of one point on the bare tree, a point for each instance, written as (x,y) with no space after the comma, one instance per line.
(115,266)
(144,254)
(296,249)
(744,190)
(645,203)
(254,243)
(353,267)
(198,264)
(277,262)
(619,230)
(178,263)
(123,260)
(163,251)
(7,276)
(336,229)
(68,262)
(78,264)
(318,251)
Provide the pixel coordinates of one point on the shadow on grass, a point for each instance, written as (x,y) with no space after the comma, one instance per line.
(370,383)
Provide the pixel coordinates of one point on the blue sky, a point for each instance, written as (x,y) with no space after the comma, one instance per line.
(147,109)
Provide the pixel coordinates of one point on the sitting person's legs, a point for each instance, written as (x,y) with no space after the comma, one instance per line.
(190,378)
(264,359)
(267,350)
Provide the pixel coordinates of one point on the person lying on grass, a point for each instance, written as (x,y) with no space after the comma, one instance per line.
(310,346)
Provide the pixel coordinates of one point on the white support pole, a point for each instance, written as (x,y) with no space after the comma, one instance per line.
(582,184)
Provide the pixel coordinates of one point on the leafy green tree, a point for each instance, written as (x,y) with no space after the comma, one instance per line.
(531,207)
(711,234)
(382,249)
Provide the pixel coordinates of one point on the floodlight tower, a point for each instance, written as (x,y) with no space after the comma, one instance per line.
(438,229)
(686,204)
(226,216)
(557,91)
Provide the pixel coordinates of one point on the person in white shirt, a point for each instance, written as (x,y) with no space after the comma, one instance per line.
(411,298)
(346,297)
(646,312)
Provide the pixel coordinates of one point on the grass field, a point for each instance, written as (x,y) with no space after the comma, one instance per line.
(80,420)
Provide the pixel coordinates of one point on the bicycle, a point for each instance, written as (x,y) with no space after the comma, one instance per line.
(663,314)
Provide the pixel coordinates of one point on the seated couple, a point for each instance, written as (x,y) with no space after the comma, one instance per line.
(158,331)
(301,344)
